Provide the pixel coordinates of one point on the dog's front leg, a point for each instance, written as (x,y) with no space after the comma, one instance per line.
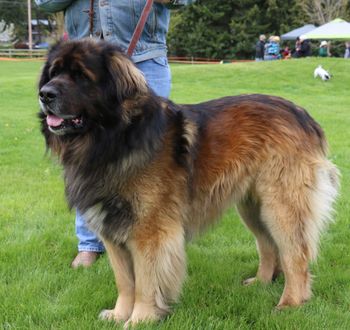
(121,261)
(159,265)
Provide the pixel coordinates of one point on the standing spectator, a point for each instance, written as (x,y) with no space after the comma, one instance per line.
(325,49)
(347,50)
(115,21)
(305,47)
(260,48)
(296,50)
(272,49)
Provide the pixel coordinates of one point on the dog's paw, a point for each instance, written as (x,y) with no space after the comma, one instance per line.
(288,301)
(107,315)
(111,315)
(144,314)
(250,281)
(133,322)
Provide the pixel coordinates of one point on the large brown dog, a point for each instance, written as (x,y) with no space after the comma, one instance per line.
(148,174)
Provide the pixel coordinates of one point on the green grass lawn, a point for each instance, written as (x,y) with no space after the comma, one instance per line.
(38,290)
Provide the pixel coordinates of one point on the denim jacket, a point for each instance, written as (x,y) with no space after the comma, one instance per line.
(115,20)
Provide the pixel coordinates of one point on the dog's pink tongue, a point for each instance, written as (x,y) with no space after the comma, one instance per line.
(53,120)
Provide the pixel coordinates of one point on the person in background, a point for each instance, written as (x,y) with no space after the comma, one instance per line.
(286,53)
(260,48)
(324,50)
(296,50)
(115,21)
(272,49)
(305,47)
(347,50)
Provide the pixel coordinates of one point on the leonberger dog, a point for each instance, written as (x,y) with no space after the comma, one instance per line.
(149,174)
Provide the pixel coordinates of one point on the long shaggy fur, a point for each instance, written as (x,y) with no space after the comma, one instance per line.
(148,174)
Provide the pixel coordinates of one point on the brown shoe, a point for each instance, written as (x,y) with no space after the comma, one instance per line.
(85,259)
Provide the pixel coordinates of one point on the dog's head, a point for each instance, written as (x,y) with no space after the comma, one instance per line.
(83,85)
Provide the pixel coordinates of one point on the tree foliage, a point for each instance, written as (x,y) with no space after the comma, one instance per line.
(323,11)
(16,13)
(230,28)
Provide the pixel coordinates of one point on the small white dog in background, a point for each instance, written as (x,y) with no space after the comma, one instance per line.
(322,73)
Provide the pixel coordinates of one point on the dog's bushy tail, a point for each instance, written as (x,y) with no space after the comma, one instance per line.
(322,201)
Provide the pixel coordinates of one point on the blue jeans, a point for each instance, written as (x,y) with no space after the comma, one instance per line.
(158,76)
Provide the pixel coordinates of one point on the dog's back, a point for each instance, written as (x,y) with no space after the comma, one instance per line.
(237,138)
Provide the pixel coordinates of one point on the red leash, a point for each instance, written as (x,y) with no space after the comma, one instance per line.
(139,27)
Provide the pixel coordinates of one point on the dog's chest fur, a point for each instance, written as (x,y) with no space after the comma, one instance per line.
(106,212)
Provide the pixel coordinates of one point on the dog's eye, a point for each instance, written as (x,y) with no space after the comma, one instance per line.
(84,73)
(53,73)
(81,75)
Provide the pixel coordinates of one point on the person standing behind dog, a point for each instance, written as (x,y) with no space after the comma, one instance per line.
(260,48)
(115,21)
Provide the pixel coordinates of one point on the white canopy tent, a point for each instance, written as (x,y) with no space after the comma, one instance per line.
(294,34)
(337,29)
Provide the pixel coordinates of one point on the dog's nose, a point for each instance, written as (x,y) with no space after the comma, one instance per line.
(47,94)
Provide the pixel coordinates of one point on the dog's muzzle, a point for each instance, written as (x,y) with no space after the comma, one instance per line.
(58,123)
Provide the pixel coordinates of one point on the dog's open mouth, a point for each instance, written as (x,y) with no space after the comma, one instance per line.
(62,126)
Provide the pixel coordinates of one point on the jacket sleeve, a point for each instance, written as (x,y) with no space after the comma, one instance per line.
(53,6)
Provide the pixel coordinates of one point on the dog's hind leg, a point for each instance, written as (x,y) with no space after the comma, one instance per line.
(159,261)
(249,211)
(295,210)
(289,235)
(121,261)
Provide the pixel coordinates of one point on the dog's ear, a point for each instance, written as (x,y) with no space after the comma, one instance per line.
(128,80)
